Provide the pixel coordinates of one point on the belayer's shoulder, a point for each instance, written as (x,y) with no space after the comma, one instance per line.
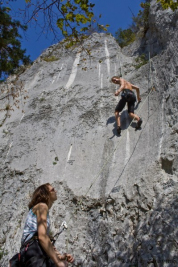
(42,206)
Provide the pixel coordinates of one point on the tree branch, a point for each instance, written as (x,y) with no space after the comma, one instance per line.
(5,96)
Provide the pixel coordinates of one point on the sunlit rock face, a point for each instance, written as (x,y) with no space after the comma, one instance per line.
(117,194)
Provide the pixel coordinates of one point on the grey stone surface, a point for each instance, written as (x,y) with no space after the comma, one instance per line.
(118,194)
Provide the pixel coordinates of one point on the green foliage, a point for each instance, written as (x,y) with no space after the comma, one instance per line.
(50,58)
(141,60)
(70,14)
(125,37)
(173,4)
(140,24)
(42,99)
(56,159)
(3,253)
(74,18)
(70,41)
(141,20)
(21,69)
(8,107)
(11,54)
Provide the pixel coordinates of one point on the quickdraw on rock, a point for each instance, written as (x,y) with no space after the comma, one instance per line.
(61,229)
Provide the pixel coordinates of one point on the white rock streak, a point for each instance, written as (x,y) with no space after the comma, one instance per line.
(70,151)
(8,151)
(60,72)
(21,118)
(120,66)
(99,71)
(127,149)
(100,76)
(74,71)
(107,57)
(54,79)
(101,81)
(101,86)
(115,69)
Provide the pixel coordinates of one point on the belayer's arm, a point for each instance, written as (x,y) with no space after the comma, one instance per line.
(44,239)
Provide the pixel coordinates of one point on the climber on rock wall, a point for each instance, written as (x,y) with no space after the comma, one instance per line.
(127,96)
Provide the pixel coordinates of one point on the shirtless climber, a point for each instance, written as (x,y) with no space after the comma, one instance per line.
(127,96)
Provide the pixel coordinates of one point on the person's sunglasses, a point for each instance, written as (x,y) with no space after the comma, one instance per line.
(52,190)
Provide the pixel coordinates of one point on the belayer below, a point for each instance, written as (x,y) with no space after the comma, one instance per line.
(37,249)
(127,96)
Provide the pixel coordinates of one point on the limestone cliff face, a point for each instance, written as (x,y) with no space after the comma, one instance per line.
(118,194)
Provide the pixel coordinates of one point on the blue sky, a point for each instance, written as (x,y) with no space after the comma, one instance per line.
(116,13)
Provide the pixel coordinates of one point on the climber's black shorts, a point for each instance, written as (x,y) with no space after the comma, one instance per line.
(120,106)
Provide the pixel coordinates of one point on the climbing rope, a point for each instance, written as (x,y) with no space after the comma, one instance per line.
(124,133)
(120,69)
(105,163)
(151,88)
(109,157)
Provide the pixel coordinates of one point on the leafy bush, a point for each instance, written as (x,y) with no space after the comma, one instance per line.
(169,3)
(141,60)
(125,37)
(22,69)
(141,20)
(140,24)
(50,58)
(3,253)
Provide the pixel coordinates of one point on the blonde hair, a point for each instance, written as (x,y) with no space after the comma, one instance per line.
(115,77)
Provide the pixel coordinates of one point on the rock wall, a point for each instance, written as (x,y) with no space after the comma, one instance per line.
(117,194)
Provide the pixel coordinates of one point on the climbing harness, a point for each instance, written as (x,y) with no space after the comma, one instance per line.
(33,244)
(129,95)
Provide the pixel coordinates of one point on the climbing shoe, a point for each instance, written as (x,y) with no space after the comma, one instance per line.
(139,123)
(118,130)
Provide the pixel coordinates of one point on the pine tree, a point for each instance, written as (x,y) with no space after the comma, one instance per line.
(11,53)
